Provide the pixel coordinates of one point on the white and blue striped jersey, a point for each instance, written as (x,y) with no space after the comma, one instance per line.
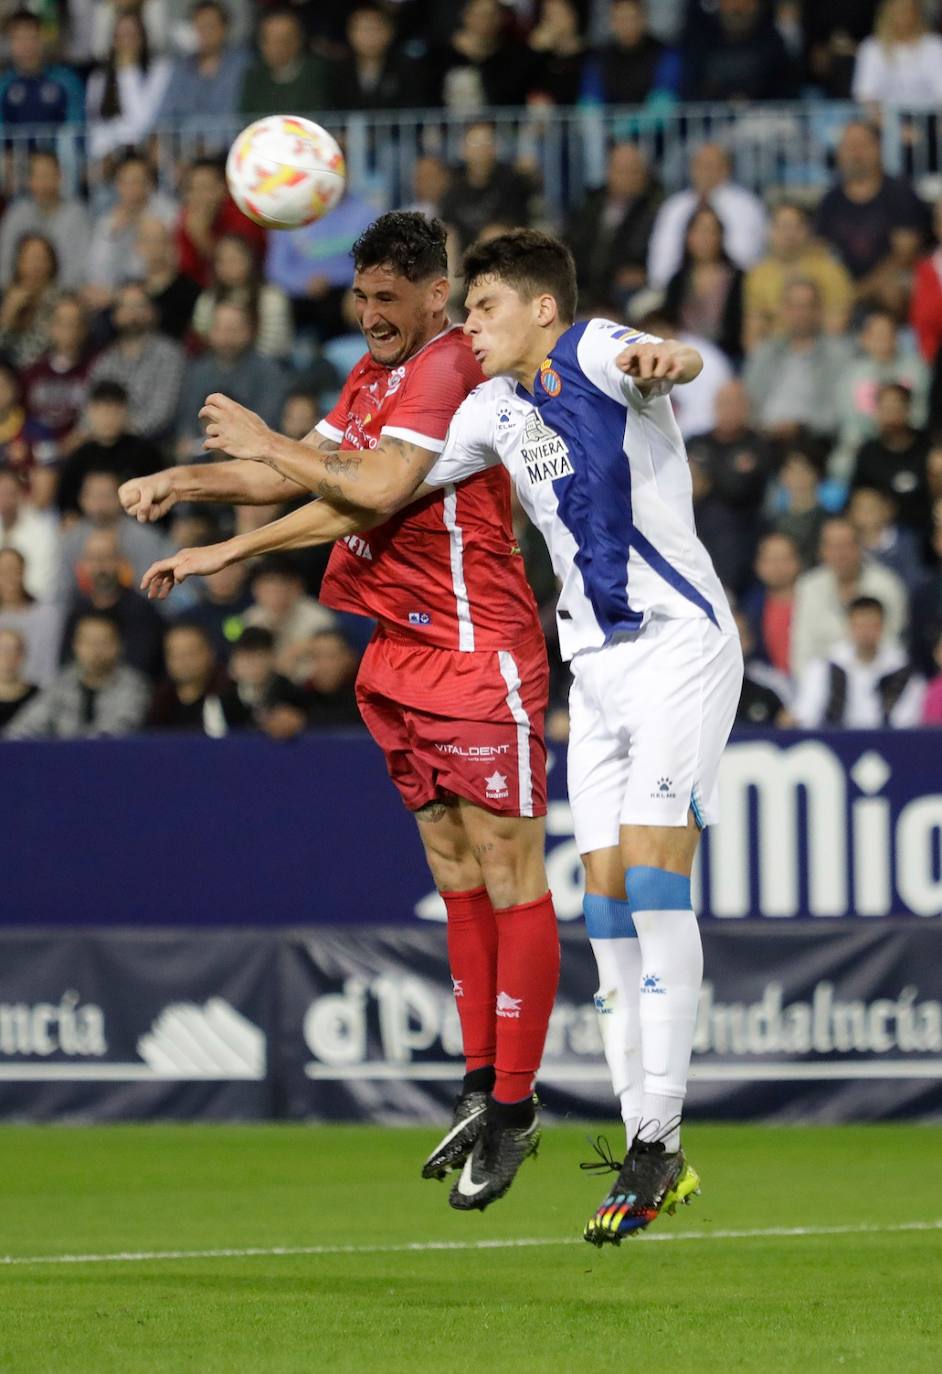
(601,470)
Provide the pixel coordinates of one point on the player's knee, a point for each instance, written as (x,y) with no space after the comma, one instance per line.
(511,873)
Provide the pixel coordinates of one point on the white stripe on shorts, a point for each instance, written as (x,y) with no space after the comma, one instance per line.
(456,541)
(508,671)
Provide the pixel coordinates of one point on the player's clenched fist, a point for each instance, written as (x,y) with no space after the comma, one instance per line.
(667,361)
(161,577)
(233,429)
(148,498)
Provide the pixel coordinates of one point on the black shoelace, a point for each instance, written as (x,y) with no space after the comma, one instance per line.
(606,1162)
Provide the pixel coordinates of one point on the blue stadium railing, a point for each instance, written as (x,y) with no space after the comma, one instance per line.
(789,145)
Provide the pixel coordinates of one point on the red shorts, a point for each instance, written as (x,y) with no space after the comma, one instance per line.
(465,724)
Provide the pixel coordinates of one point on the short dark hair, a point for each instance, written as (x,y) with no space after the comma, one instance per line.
(282,12)
(193,627)
(529,261)
(108,393)
(101,618)
(216,5)
(20,17)
(135,155)
(255,639)
(866,603)
(795,206)
(412,244)
(900,388)
(277,565)
(203,164)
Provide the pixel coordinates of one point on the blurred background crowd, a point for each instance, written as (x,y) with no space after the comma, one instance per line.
(761,179)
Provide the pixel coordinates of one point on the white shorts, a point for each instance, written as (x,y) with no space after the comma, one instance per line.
(650,715)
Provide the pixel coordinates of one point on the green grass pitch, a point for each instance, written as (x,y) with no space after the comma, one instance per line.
(851,1299)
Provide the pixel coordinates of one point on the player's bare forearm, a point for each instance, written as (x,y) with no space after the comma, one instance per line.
(668,360)
(235,481)
(316,523)
(379,479)
(241,483)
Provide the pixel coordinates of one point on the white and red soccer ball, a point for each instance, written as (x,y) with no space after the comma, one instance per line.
(284,171)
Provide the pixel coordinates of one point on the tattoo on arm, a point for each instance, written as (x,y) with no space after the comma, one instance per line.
(333,495)
(323,443)
(406,451)
(344,464)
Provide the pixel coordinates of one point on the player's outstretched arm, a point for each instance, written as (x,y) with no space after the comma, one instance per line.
(241,483)
(668,360)
(316,523)
(379,479)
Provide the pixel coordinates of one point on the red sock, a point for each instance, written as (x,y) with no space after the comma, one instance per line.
(527,976)
(472,958)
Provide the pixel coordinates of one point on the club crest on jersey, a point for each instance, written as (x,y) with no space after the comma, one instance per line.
(544,453)
(552,382)
(395,380)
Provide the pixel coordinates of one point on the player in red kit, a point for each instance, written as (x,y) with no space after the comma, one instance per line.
(453,684)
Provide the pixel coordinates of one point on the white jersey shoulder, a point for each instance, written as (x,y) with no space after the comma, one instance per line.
(470,444)
(600,467)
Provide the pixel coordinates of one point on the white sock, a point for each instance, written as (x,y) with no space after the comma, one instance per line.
(618,1004)
(671,974)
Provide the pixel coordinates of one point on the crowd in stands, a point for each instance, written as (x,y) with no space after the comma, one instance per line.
(814,431)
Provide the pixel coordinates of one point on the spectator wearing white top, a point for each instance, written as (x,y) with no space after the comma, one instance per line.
(823,595)
(864,682)
(901,63)
(124,93)
(112,257)
(742,214)
(695,410)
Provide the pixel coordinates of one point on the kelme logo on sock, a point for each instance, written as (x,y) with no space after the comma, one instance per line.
(651,982)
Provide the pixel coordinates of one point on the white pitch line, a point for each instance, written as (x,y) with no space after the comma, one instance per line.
(427,1246)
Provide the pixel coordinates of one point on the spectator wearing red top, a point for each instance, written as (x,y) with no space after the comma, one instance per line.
(926,308)
(769,605)
(208,213)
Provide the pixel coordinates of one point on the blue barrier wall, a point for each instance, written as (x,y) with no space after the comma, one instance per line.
(245,831)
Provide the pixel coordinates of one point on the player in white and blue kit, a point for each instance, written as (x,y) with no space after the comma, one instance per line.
(579,415)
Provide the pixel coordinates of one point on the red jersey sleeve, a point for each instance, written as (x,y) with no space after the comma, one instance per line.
(433,389)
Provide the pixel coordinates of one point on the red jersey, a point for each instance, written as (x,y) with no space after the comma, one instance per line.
(446,571)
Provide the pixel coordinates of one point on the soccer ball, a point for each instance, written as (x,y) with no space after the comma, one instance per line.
(284,171)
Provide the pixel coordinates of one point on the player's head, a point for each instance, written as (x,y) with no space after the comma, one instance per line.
(521,296)
(400,284)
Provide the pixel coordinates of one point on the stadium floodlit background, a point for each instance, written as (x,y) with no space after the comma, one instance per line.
(214,910)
